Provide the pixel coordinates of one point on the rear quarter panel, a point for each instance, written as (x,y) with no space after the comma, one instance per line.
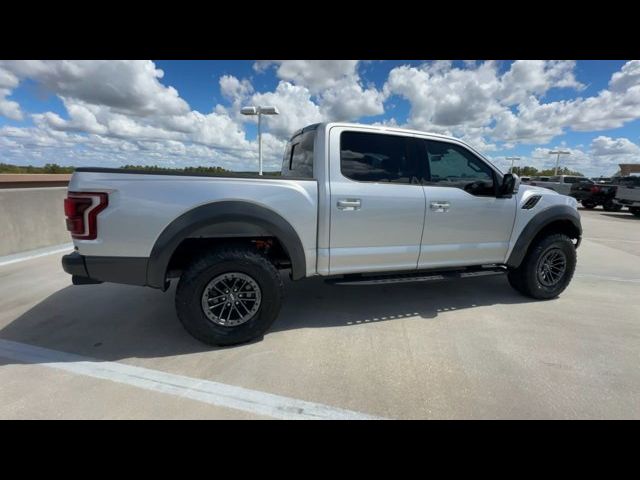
(142,206)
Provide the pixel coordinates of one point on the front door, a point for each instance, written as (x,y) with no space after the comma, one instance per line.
(465,222)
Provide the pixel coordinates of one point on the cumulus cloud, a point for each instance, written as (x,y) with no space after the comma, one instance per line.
(296,107)
(511,105)
(613,146)
(119,112)
(602,157)
(316,75)
(9,108)
(131,87)
(335,86)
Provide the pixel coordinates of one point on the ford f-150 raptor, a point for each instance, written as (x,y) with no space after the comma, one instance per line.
(356,204)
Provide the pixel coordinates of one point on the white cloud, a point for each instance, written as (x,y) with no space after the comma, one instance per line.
(131,87)
(316,75)
(296,107)
(510,106)
(602,145)
(348,100)
(121,111)
(602,157)
(335,86)
(9,108)
(526,77)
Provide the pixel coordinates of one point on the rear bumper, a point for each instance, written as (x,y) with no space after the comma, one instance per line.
(74,264)
(91,269)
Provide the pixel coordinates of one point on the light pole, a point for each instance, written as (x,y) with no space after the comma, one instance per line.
(259,111)
(558,152)
(512,159)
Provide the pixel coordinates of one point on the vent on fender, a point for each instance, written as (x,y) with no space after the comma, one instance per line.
(531,202)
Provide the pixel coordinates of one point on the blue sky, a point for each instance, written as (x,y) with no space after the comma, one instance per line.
(178,113)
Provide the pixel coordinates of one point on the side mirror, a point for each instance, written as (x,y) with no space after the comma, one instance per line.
(510,184)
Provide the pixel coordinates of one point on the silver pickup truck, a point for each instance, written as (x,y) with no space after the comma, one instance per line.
(559,183)
(628,194)
(356,204)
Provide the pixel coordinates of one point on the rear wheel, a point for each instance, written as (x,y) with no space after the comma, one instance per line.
(611,206)
(547,268)
(635,211)
(229,296)
(588,204)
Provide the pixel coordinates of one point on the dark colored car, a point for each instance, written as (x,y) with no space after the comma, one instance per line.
(591,194)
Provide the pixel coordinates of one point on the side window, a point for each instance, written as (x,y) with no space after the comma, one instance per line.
(451,165)
(298,156)
(373,157)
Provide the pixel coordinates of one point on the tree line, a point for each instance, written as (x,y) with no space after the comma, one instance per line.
(55,168)
(534,172)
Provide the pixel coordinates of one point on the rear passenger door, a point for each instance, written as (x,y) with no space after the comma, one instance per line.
(377,202)
(466,223)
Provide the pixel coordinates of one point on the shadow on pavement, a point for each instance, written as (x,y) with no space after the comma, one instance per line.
(622,215)
(113,322)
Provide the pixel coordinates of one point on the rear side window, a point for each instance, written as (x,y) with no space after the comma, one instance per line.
(298,156)
(573,179)
(374,157)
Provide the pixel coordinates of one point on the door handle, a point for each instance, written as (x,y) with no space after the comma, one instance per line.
(349,204)
(440,206)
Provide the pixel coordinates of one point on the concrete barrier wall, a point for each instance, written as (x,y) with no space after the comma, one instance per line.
(32,218)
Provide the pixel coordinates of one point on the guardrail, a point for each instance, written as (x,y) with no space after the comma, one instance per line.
(32,211)
(34,180)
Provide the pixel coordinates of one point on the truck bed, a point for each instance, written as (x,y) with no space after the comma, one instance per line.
(142,204)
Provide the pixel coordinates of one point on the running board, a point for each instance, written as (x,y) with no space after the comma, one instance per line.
(415,277)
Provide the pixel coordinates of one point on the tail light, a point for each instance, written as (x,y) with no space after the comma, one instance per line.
(595,189)
(81,210)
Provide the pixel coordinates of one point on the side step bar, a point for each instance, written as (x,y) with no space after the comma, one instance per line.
(415,277)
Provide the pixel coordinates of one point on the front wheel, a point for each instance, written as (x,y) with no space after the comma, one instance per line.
(635,211)
(547,268)
(229,296)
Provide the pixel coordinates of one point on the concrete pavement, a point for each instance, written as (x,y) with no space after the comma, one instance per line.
(467,349)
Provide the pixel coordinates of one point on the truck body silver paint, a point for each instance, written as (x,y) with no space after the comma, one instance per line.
(395,228)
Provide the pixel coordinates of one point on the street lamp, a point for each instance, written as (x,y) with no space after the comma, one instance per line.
(512,159)
(558,152)
(259,111)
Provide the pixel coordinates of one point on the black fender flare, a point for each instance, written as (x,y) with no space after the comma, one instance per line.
(536,224)
(224,219)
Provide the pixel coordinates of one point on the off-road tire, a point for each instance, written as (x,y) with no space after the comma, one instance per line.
(611,206)
(588,205)
(525,278)
(228,259)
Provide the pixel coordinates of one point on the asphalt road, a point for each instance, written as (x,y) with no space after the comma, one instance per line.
(466,349)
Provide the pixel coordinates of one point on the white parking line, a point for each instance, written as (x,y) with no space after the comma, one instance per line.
(31,254)
(213,393)
(611,239)
(604,277)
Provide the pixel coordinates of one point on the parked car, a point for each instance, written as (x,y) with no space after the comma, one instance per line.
(591,195)
(355,204)
(602,180)
(628,194)
(559,183)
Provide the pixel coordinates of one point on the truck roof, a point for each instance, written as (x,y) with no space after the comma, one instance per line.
(394,129)
(380,128)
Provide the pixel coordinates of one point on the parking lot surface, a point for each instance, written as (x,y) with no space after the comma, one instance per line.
(472,348)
